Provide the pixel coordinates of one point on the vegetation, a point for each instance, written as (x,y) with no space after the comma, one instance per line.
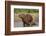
(17,10)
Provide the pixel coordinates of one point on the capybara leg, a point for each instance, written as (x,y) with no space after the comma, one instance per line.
(24,24)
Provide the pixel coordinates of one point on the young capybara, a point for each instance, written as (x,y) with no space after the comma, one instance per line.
(26,19)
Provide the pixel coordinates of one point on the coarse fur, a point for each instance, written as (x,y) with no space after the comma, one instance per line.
(26,18)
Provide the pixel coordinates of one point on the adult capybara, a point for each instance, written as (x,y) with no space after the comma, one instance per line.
(26,19)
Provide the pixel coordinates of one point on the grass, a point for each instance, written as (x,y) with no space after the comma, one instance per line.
(17,11)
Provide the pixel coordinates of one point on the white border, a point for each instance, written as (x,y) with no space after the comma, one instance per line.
(26,28)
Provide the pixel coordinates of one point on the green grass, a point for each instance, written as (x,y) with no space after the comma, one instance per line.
(16,10)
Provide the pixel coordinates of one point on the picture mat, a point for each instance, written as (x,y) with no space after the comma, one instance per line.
(25,28)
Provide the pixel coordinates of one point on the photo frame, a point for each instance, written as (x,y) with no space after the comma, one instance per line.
(11,8)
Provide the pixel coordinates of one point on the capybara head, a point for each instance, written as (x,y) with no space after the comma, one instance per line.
(22,16)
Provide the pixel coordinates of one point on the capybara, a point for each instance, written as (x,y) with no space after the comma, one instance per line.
(26,19)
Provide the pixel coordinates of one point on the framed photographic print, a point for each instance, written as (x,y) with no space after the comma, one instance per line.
(24,17)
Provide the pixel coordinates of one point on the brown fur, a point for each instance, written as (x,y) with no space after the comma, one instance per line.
(26,18)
